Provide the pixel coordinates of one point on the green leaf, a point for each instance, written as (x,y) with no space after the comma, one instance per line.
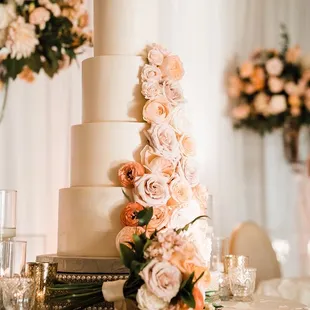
(201,275)
(186,284)
(186,227)
(127,255)
(14,66)
(144,216)
(139,245)
(147,244)
(188,298)
(34,62)
(126,196)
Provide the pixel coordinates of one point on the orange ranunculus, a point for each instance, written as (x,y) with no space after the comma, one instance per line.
(246,69)
(129,214)
(258,78)
(128,172)
(294,101)
(27,75)
(199,300)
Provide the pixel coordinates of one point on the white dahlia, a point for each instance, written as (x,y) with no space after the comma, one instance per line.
(21,39)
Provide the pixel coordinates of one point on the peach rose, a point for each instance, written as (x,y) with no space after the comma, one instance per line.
(295,111)
(180,190)
(173,92)
(291,88)
(126,235)
(159,220)
(26,75)
(162,49)
(162,279)
(39,16)
(129,172)
(275,85)
(246,69)
(201,194)
(156,163)
(277,104)
(172,68)
(155,57)
(83,20)
(179,120)
(293,54)
(164,141)
(151,89)
(191,171)
(157,110)
(261,103)
(294,101)
(241,111)
(249,88)
(274,66)
(129,214)
(187,145)
(258,78)
(235,87)
(151,190)
(150,73)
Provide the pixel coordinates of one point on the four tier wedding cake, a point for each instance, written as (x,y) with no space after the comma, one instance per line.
(133,143)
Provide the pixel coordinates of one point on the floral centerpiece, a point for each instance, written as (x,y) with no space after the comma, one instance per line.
(39,35)
(271,90)
(166,273)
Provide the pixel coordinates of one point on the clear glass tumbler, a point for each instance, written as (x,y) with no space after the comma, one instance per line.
(7,214)
(242,283)
(220,248)
(18,293)
(12,258)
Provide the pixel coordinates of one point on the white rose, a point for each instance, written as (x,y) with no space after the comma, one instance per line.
(274,66)
(162,279)
(180,190)
(150,72)
(179,120)
(7,14)
(155,56)
(164,141)
(151,190)
(261,103)
(191,171)
(148,301)
(151,89)
(277,104)
(173,92)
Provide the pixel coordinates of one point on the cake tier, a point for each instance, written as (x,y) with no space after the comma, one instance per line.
(123,27)
(88,221)
(99,149)
(111,90)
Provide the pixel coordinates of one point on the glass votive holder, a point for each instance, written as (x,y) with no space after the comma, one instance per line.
(18,293)
(242,283)
(233,261)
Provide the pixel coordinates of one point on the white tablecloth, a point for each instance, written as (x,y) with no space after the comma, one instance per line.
(297,289)
(266,303)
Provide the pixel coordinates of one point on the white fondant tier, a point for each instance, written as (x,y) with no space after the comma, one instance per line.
(123,27)
(88,221)
(99,149)
(111,90)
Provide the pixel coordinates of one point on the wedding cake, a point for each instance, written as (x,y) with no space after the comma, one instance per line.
(134,142)
(111,129)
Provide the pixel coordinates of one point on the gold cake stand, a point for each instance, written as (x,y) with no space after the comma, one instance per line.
(86,270)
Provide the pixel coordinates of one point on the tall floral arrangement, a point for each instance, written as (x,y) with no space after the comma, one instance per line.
(270,88)
(40,35)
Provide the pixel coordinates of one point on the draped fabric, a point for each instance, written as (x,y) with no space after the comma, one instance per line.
(246,174)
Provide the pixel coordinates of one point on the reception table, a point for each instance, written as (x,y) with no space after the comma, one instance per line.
(295,289)
(264,302)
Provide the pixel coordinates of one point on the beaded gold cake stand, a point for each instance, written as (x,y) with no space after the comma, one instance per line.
(87,270)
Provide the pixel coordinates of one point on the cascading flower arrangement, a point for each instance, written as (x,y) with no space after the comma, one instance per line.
(271,88)
(167,176)
(39,35)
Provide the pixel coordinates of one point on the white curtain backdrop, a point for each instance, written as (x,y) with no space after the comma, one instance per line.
(246,174)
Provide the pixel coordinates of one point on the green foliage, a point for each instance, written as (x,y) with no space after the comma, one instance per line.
(144,216)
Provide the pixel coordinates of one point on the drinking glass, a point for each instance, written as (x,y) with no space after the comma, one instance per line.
(12,258)
(7,214)
(242,283)
(18,293)
(220,248)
